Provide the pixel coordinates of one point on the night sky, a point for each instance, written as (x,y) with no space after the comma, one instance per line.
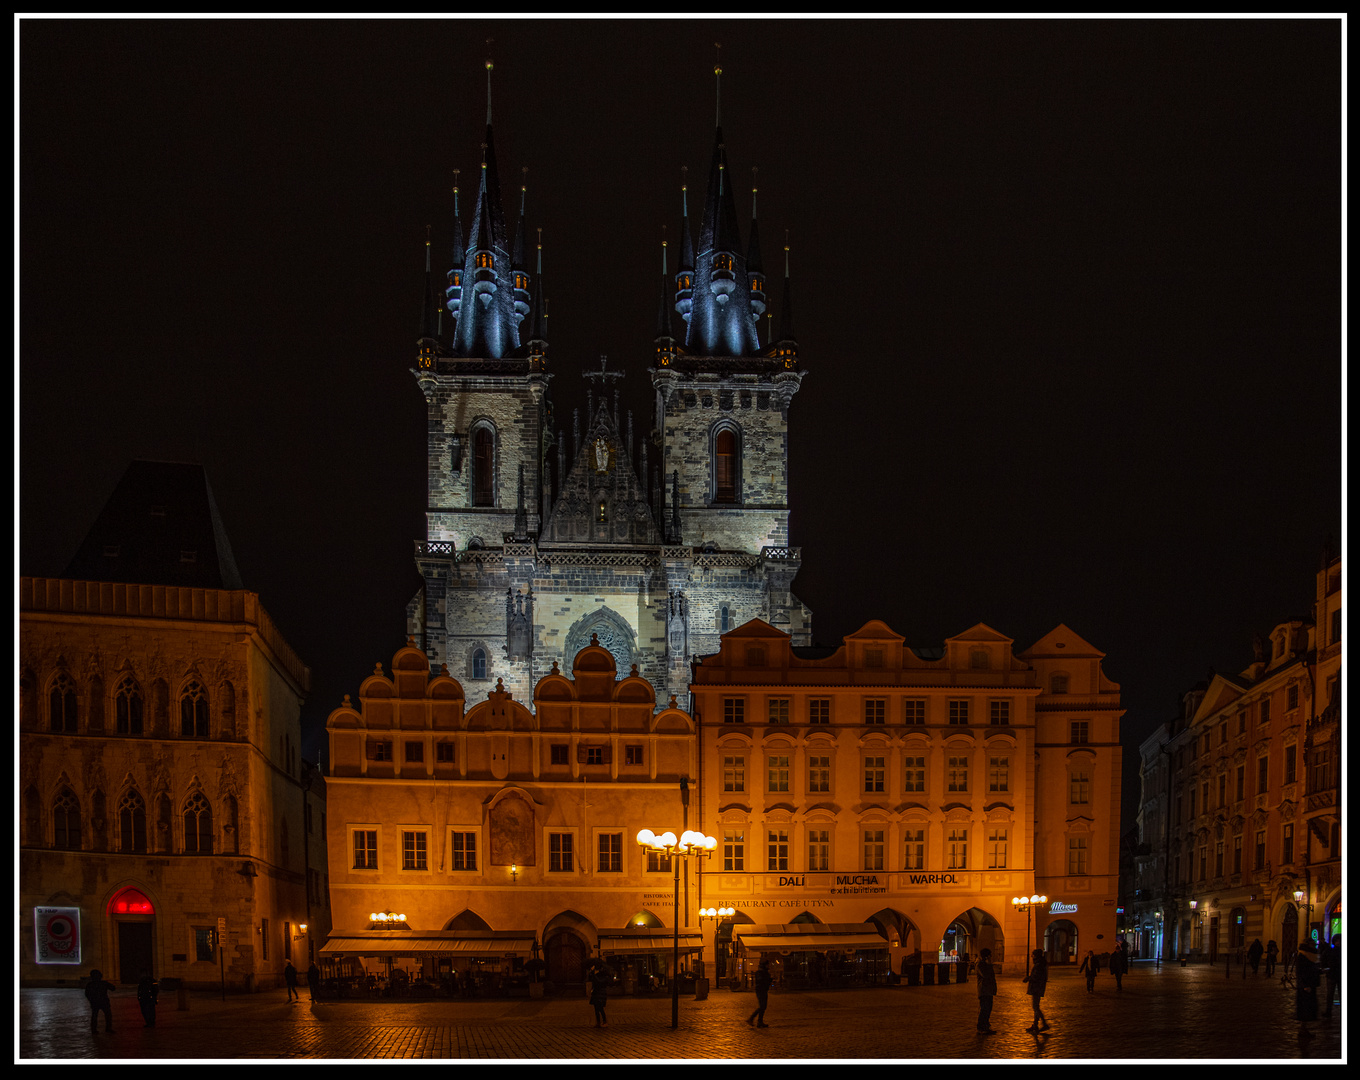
(1068,296)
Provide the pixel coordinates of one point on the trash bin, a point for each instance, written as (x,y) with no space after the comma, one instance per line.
(962,973)
(928,974)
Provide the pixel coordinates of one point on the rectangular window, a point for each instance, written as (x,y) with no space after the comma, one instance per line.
(819,849)
(1260,850)
(1222,789)
(914,773)
(1321,769)
(1237,854)
(611,853)
(594,755)
(873,849)
(999,774)
(1000,712)
(1242,722)
(1262,775)
(1291,763)
(778,850)
(1081,731)
(916,849)
(559,754)
(1287,844)
(996,849)
(1291,698)
(415,751)
(1076,856)
(957,848)
(734,850)
(1192,800)
(875,710)
(1265,710)
(1336,626)
(914,710)
(779,710)
(1223,733)
(734,774)
(658,862)
(413,856)
(819,710)
(958,712)
(1218,859)
(734,710)
(819,774)
(632,755)
(365,849)
(1058,684)
(873,658)
(1204,863)
(378,750)
(464,845)
(560,851)
(1080,787)
(203,943)
(264,939)
(874,774)
(444,752)
(958,774)
(778,773)
(1241,782)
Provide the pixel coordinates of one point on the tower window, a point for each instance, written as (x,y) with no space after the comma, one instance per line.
(479,663)
(483,467)
(725,466)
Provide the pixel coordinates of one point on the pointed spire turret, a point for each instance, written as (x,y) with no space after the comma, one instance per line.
(754,271)
(454,293)
(517,269)
(684,274)
(427,346)
(665,337)
(538,326)
(786,348)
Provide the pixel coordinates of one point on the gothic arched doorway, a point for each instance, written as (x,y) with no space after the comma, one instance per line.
(611,631)
(566,955)
(1060,942)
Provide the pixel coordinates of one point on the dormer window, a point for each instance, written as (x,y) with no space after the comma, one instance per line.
(722,262)
(485,261)
(1058,685)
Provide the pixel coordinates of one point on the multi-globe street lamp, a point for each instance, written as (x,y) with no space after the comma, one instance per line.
(689,845)
(1025,904)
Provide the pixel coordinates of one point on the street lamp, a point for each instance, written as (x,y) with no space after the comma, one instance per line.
(689,845)
(1024,904)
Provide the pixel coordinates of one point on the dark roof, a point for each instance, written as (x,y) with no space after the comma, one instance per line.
(159,527)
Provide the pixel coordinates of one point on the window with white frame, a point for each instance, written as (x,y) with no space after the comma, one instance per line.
(778,710)
(777,771)
(777,849)
(414,855)
(561,853)
(734,850)
(956,848)
(819,849)
(463,850)
(915,848)
(875,710)
(914,710)
(819,774)
(873,849)
(1077,864)
(734,710)
(875,773)
(914,773)
(819,710)
(996,848)
(734,772)
(1079,786)
(999,712)
(957,773)
(958,712)
(611,853)
(999,774)
(365,849)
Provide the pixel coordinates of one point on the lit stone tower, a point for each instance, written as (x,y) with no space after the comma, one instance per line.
(539,540)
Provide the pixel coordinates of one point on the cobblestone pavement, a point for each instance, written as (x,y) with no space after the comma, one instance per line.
(1161,1014)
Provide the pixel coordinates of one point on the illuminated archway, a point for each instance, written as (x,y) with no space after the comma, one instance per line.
(131,902)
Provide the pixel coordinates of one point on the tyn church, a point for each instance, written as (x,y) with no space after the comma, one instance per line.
(539,540)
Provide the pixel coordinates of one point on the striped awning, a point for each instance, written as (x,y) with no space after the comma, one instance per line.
(645,939)
(468,943)
(808,937)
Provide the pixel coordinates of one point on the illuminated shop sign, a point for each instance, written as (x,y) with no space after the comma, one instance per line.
(1057,907)
(856,883)
(56,935)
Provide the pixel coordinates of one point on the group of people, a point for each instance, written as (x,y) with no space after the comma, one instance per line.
(1314,966)
(1037,982)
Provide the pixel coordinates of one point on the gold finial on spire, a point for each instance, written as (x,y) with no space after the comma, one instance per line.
(717,71)
(754,189)
(489,66)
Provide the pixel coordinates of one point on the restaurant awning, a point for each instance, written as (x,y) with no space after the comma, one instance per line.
(646,939)
(808,937)
(450,943)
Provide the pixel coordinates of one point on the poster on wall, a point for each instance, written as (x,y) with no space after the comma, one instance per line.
(56,932)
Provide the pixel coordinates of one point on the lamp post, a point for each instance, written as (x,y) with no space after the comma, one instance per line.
(1025,904)
(689,845)
(720,915)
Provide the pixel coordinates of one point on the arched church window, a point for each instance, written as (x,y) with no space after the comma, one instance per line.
(479,663)
(725,451)
(483,467)
(128,707)
(193,712)
(66,821)
(198,827)
(62,703)
(131,823)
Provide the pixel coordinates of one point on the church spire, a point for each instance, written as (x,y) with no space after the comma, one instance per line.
(665,337)
(754,271)
(538,325)
(684,274)
(454,294)
(786,348)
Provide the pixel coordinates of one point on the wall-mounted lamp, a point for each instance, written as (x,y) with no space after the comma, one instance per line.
(514,874)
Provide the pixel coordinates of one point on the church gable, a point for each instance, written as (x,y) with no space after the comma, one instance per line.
(602,500)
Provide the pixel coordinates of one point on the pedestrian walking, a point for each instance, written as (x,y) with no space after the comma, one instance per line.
(1037,980)
(1332,969)
(1119,965)
(1272,957)
(1091,966)
(290,980)
(1307,975)
(97,993)
(761,982)
(147,992)
(986,980)
(599,978)
(313,981)
(1254,956)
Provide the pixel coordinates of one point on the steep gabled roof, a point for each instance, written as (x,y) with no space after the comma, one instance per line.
(1062,641)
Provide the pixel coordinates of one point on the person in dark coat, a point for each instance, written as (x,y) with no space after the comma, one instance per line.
(290,979)
(313,980)
(986,984)
(1037,980)
(1119,965)
(97,992)
(1091,966)
(599,992)
(761,983)
(1272,957)
(1331,965)
(147,992)
(1307,975)
(1254,956)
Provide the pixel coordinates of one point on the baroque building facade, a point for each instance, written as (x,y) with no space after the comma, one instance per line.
(167,821)
(915,791)
(539,538)
(1240,810)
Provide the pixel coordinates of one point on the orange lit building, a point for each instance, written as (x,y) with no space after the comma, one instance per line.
(909,793)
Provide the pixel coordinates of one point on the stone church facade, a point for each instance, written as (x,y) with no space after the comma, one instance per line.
(539,538)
